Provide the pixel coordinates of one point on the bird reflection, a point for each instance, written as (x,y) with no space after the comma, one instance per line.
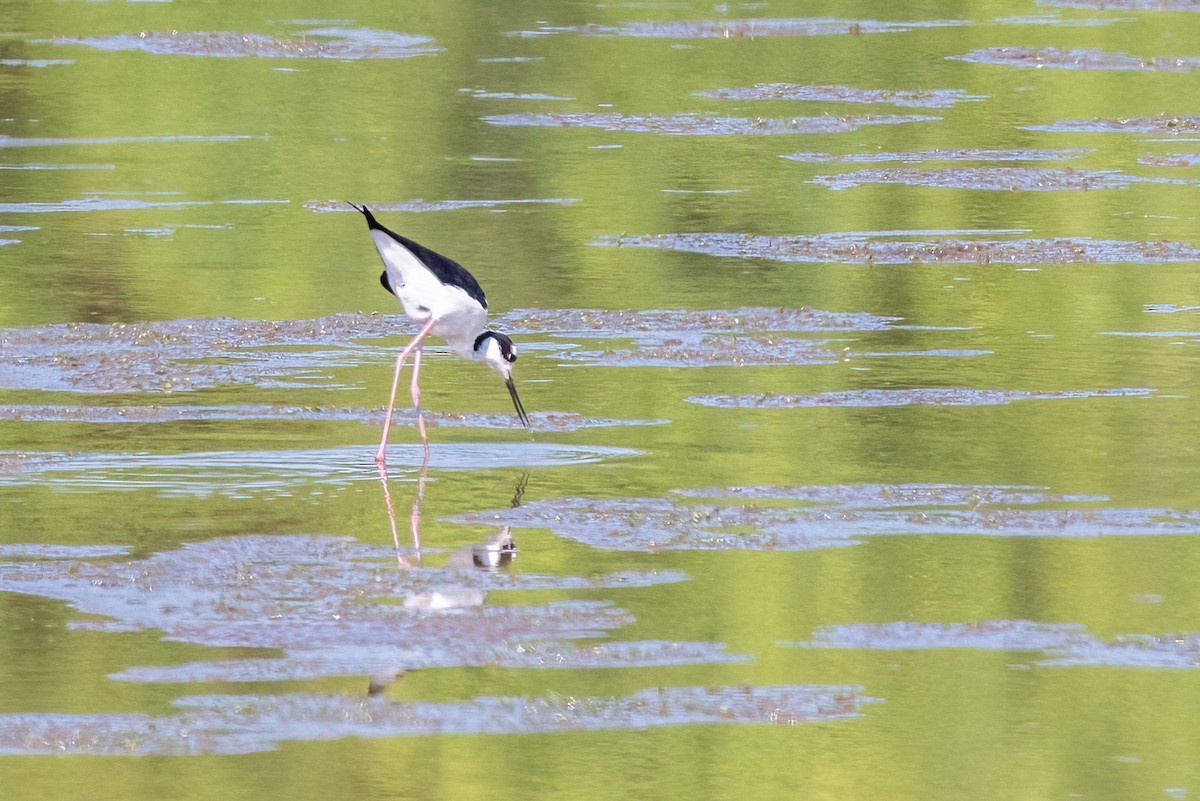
(494,554)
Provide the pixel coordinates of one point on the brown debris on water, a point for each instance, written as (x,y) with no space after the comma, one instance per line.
(700,125)
(240,724)
(918,156)
(923,396)
(872,249)
(747,28)
(337,43)
(1162,124)
(1078,59)
(992,179)
(769,519)
(918,98)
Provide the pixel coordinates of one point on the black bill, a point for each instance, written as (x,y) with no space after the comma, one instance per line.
(512,390)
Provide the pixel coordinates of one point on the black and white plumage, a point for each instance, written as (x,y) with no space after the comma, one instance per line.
(447,301)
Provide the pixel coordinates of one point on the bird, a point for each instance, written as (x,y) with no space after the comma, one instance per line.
(446,300)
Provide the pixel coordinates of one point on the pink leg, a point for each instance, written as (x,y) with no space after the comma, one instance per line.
(415,345)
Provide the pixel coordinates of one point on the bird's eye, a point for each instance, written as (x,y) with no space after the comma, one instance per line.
(510,355)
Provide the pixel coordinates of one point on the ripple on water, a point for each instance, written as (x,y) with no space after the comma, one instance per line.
(338,43)
(234,724)
(251,473)
(745,28)
(923,396)
(1002,179)
(699,125)
(915,98)
(441,205)
(769,519)
(1078,59)
(1162,124)
(872,248)
(1125,5)
(1013,154)
(1061,644)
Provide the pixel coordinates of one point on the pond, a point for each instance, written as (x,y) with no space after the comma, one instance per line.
(860,347)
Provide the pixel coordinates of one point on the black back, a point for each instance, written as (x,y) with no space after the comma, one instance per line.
(446,270)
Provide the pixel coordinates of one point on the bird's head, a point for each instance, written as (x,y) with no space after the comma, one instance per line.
(498,352)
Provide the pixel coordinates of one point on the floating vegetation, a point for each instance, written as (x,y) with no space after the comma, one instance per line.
(1078,59)
(918,156)
(699,125)
(338,608)
(1125,5)
(768,519)
(747,28)
(90,204)
(273,473)
(1002,179)
(990,635)
(871,248)
(1062,644)
(924,396)
(919,98)
(338,43)
(1162,124)
(189,354)
(156,413)
(238,724)
(441,205)
(705,350)
(1171,160)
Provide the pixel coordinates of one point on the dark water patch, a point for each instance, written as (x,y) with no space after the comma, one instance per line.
(770,520)
(1162,124)
(337,43)
(256,474)
(698,125)
(237,724)
(924,396)
(153,413)
(918,98)
(442,205)
(1171,160)
(872,249)
(990,635)
(918,156)
(745,28)
(67,141)
(1001,179)
(1077,59)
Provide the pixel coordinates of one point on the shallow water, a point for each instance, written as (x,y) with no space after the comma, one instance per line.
(860,347)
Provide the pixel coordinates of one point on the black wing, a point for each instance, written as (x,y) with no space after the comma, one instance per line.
(447,270)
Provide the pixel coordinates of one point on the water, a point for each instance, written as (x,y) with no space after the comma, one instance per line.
(860,346)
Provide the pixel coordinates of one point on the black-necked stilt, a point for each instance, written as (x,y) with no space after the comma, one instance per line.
(446,300)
